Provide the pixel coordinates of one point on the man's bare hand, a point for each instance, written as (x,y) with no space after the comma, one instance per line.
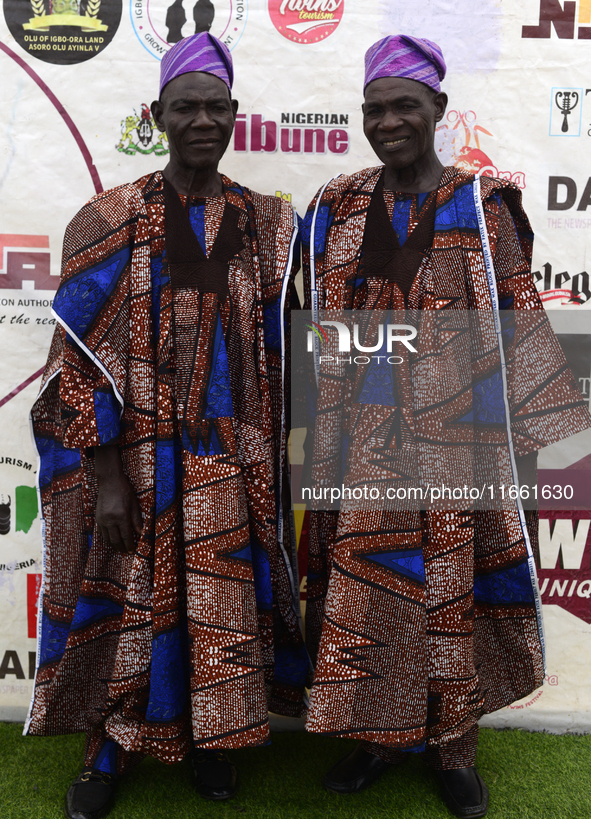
(118,512)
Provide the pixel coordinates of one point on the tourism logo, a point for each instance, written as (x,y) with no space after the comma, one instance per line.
(458,144)
(565,111)
(139,135)
(159,24)
(306,21)
(63,32)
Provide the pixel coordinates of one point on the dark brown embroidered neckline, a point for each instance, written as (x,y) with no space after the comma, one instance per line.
(187,262)
(383,256)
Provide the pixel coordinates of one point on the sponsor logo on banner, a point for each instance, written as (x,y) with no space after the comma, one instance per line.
(458,143)
(13,665)
(63,32)
(159,24)
(565,562)
(296,133)
(568,20)
(564,194)
(306,21)
(25,263)
(555,283)
(139,135)
(566,107)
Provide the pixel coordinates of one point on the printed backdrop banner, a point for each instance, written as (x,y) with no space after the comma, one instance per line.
(78,78)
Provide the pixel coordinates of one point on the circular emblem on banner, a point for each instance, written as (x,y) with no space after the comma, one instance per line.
(306,21)
(63,32)
(159,24)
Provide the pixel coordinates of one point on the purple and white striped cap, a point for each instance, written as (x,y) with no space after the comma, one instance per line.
(411,58)
(199,52)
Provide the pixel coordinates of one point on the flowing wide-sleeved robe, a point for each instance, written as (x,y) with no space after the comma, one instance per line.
(195,636)
(421,621)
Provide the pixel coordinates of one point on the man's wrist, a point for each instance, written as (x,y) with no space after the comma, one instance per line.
(107,462)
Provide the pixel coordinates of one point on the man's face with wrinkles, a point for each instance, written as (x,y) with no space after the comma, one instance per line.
(399,120)
(198,116)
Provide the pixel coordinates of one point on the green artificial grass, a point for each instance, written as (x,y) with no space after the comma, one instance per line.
(535,776)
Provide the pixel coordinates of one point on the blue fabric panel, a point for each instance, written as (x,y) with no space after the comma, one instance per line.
(197,220)
(323,222)
(400,218)
(292,665)
(106,759)
(156,275)
(53,640)
(508,586)
(507,320)
(92,609)
(304,226)
(219,393)
(106,410)
(165,475)
(55,459)
(244,553)
(459,212)
(79,300)
(272,324)
(488,403)
(261,570)
(408,562)
(168,690)
(378,387)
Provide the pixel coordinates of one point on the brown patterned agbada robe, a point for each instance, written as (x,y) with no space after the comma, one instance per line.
(193,637)
(420,622)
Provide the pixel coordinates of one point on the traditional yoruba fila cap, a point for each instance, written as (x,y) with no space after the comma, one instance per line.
(411,58)
(199,52)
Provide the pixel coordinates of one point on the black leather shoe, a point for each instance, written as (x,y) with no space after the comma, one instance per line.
(215,776)
(90,795)
(356,771)
(464,792)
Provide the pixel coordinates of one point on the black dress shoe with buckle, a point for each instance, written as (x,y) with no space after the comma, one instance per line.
(356,771)
(215,776)
(464,792)
(90,795)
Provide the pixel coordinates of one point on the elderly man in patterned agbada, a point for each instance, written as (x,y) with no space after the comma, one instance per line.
(422,620)
(168,615)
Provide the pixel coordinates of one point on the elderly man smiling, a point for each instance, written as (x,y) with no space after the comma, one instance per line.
(168,619)
(422,620)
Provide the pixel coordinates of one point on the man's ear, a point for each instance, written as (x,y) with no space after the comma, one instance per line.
(234,104)
(440,103)
(157,109)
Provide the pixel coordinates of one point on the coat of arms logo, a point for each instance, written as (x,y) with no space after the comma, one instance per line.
(138,132)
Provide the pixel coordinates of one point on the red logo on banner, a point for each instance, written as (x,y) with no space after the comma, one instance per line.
(33,588)
(25,258)
(306,21)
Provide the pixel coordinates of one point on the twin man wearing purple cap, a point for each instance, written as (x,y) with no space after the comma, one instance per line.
(170,621)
